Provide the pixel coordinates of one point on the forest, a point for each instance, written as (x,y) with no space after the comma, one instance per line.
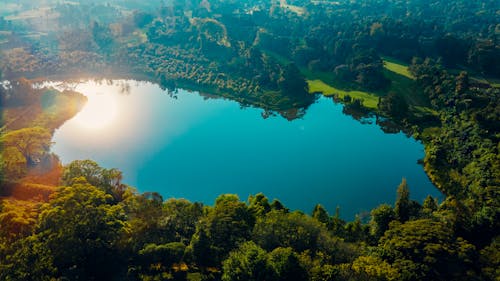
(431,74)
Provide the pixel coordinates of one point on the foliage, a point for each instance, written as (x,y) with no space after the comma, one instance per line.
(295,230)
(86,242)
(227,224)
(107,179)
(393,105)
(402,208)
(30,143)
(381,217)
(83,232)
(248,262)
(259,54)
(425,249)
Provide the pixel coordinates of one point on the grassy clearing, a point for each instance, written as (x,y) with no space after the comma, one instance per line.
(406,88)
(426,110)
(398,67)
(402,83)
(491,81)
(369,100)
(296,9)
(402,69)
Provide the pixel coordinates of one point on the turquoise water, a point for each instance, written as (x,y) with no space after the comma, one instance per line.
(197,148)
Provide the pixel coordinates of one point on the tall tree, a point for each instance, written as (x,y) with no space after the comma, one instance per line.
(320,214)
(402,206)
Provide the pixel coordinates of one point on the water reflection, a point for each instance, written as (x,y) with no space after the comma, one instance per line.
(99,112)
(198,148)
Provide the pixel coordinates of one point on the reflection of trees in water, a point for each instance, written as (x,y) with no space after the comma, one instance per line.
(102,81)
(124,87)
(289,113)
(62,86)
(355,109)
(358,113)
(388,126)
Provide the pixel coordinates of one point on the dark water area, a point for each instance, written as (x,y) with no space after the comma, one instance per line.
(197,148)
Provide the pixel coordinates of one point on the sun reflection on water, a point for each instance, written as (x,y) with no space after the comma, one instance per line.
(99,112)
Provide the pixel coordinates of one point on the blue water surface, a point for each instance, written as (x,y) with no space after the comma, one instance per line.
(197,148)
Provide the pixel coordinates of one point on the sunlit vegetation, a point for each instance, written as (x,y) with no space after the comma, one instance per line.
(31,115)
(398,68)
(431,76)
(142,237)
(368,100)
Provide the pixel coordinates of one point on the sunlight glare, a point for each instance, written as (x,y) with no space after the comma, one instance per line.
(99,112)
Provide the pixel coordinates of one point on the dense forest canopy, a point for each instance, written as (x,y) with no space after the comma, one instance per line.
(428,68)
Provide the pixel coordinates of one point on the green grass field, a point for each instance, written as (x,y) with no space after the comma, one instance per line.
(369,100)
(402,83)
(398,67)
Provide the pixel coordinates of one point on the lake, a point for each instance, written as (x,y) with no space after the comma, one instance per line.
(197,148)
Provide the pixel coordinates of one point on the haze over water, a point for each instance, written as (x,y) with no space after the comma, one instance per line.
(197,148)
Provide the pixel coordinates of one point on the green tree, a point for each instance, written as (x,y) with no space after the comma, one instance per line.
(320,214)
(156,261)
(278,206)
(490,260)
(381,217)
(373,268)
(82,230)
(356,231)
(430,205)
(248,262)
(200,248)
(394,106)
(27,259)
(31,143)
(402,206)
(110,180)
(180,218)
(285,265)
(295,230)
(427,250)
(462,83)
(146,220)
(337,224)
(17,219)
(259,204)
(227,224)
